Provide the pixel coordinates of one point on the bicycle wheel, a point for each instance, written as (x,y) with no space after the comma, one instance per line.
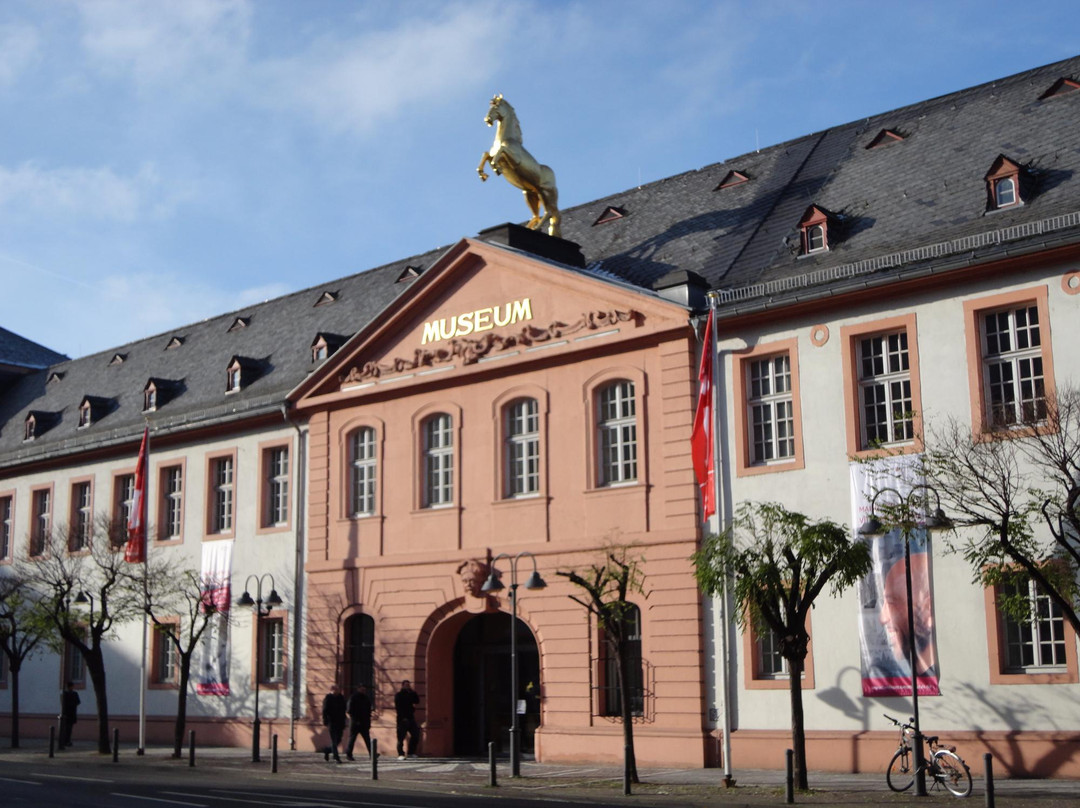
(900,774)
(952,773)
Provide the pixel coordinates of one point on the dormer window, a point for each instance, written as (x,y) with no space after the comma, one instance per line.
(118,359)
(319,351)
(1063,86)
(1003,188)
(611,213)
(175,342)
(30,427)
(54,377)
(326,297)
(92,409)
(884,138)
(731,179)
(324,345)
(408,274)
(232,382)
(150,397)
(84,414)
(241,372)
(239,324)
(38,423)
(815,230)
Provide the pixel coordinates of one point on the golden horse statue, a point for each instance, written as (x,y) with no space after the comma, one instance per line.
(510,158)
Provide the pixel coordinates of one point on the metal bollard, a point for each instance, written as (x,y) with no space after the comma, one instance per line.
(789,782)
(493,779)
(273,754)
(988,765)
(52,740)
(191,749)
(626,771)
(374,758)
(115,745)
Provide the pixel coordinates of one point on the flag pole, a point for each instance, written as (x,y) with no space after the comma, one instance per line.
(146,596)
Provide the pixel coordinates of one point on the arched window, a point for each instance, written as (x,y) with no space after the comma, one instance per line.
(362,471)
(522,442)
(360,653)
(438,482)
(616,426)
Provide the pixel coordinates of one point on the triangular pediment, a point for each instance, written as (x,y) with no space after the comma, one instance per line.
(483,306)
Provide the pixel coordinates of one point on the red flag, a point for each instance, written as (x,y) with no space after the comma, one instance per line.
(702,441)
(135,549)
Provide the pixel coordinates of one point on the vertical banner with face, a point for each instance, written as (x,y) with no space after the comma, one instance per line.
(883,621)
(212,677)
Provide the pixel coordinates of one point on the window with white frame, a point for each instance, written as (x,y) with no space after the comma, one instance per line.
(42,521)
(166,660)
(362,471)
(617,433)
(221,500)
(6,507)
(172,503)
(1038,643)
(272,650)
(771,409)
(123,506)
(1013,383)
(82,517)
(771,664)
(438,431)
(74,665)
(276,468)
(522,448)
(885,390)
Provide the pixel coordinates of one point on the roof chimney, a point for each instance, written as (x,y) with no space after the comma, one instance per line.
(533,241)
(683,287)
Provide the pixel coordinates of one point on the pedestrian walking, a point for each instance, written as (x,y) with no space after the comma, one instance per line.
(359,711)
(405,701)
(69,713)
(333,718)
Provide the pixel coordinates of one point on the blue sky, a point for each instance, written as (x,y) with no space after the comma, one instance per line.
(162,162)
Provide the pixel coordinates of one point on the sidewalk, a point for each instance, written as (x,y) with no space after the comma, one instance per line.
(571,783)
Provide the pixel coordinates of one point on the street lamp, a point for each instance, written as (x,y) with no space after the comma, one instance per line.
(272,601)
(904,512)
(493,584)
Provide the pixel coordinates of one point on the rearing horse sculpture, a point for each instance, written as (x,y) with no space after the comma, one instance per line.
(510,158)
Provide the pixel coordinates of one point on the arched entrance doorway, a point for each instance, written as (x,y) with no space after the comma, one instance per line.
(482,702)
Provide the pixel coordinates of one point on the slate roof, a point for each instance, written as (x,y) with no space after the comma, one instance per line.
(19,353)
(911,203)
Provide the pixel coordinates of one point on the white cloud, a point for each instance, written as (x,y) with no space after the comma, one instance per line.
(160,42)
(90,193)
(359,84)
(19,45)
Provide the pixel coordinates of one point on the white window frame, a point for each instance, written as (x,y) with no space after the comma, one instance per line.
(41,502)
(616,428)
(271,664)
(522,429)
(173,492)
(438,453)
(223,472)
(885,392)
(1038,646)
(82,513)
(1013,376)
(277,486)
(770,409)
(363,471)
(7,510)
(168,661)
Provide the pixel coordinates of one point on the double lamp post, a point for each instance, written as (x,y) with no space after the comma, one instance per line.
(261,609)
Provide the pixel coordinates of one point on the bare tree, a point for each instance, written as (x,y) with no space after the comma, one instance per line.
(780,561)
(181,604)
(608,584)
(88,589)
(1004,484)
(25,629)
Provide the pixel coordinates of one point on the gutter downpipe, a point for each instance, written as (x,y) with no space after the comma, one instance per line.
(298,567)
(721,518)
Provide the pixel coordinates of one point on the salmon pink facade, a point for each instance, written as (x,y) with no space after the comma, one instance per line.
(507,405)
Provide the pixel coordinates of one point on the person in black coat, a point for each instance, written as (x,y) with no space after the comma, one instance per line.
(333,718)
(359,720)
(405,701)
(69,713)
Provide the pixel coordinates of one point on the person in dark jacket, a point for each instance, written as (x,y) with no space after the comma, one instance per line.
(359,720)
(333,718)
(69,713)
(405,701)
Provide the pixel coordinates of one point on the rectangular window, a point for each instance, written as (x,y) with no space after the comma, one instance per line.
(276,491)
(770,663)
(221,495)
(123,505)
(886,411)
(1010,359)
(362,471)
(171,505)
(1037,644)
(523,448)
(74,666)
(42,521)
(166,658)
(766,668)
(438,461)
(272,650)
(82,517)
(771,409)
(617,433)
(6,514)
(636,674)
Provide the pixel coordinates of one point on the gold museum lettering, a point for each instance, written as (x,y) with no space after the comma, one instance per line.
(461,325)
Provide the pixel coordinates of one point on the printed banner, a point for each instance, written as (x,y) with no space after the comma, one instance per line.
(212,678)
(883,620)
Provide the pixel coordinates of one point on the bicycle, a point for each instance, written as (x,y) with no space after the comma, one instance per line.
(941,762)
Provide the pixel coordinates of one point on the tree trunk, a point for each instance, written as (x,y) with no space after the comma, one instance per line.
(630,760)
(798,729)
(14,671)
(95,666)
(181,705)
